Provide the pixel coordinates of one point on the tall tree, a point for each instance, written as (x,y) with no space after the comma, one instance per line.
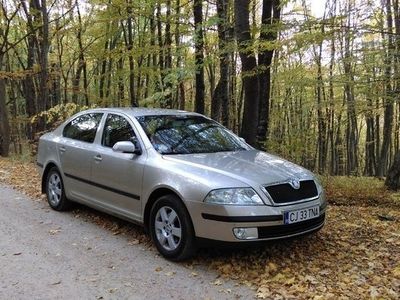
(249,76)
(43,53)
(271,13)
(220,96)
(129,47)
(28,86)
(389,95)
(5,46)
(180,92)
(351,126)
(4,121)
(81,62)
(199,105)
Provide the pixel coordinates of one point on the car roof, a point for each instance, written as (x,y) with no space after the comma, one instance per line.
(143,111)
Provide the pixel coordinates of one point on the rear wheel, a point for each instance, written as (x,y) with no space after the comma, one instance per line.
(55,191)
(171,228)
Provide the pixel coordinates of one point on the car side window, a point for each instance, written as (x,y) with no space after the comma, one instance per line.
(117,129)
(83,128)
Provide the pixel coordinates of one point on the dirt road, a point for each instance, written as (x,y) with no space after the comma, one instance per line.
(49,255)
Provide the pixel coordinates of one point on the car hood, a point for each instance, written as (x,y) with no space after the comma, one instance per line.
(252,167)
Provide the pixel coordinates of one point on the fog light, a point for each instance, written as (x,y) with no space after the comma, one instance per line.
(245,233)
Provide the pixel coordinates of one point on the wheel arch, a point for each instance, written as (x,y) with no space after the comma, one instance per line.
(156,194)
(48,167)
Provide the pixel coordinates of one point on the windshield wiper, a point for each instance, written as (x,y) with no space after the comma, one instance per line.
(173,152)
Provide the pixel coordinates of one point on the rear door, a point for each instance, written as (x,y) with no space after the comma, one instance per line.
(118,176)
(76,151)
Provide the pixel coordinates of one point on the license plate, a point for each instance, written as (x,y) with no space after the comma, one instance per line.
(300,215)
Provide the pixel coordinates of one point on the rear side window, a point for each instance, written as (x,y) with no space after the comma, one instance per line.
(117,129)
(83,128)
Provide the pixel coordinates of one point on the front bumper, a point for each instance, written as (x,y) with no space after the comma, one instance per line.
(217,222)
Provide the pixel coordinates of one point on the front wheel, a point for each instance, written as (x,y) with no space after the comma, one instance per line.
(171,228)
(55,191)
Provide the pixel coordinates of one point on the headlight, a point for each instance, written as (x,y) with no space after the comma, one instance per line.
(318,183)
(320,189)
(234,196)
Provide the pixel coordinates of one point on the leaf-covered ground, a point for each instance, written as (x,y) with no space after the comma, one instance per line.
(355,256)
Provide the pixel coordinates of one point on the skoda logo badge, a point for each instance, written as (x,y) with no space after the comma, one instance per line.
(295,183)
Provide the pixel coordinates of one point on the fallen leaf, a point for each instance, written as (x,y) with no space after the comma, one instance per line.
(54,231)
(373,292)
(386,218)
(194,274)
(217,282)
(396,271)
(272,267)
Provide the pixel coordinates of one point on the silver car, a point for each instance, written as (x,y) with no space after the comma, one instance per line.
(181,175)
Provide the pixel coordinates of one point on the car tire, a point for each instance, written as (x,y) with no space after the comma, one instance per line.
(55,191)
(171,228)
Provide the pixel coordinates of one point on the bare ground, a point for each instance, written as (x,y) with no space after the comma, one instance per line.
(49,255)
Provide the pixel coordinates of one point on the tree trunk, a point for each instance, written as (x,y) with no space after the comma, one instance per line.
(322,136)
(180,91)
(28,83)
(269,32)
(249,78)
(103,70)
(199,56)
(331,114)
(220,97)
(393,175)
(129,47)
(152,56)
(160,38)
(168,56)
(81,64)
(370,160)
(351,129)
(388,100)
(43,103)
(4,125)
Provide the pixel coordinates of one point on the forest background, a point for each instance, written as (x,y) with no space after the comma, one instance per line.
(316,82)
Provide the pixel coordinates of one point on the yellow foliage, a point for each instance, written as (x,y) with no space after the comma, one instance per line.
(58,113)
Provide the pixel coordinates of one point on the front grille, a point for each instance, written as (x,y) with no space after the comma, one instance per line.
(284,193)
(290,229)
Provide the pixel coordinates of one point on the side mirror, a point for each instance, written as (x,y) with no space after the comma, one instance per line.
(126,147)
(242,139)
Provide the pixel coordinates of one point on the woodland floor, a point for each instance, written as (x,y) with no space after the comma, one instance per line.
(355,256)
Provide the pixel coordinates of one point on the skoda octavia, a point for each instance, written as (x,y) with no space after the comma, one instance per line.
(181,175)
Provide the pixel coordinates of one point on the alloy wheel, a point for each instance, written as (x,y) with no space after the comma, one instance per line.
(168,228)
(54,189)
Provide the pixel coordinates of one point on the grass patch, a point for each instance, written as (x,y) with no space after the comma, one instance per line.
(359,191)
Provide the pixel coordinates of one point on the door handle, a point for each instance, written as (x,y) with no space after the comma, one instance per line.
(62,149)
(98,158)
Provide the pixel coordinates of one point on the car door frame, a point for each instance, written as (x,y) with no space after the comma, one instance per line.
(76,187)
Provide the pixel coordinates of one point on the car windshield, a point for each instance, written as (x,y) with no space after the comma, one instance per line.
(186,134)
